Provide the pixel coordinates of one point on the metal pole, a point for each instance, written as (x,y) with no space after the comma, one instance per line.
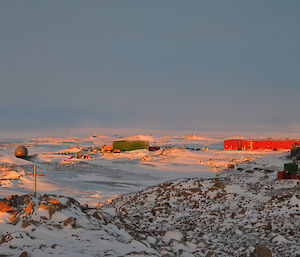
(34,180)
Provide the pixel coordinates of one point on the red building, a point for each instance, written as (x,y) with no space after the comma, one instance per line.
(249,144)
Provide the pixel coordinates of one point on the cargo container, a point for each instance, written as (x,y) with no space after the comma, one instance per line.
(290,171)
(286,175)
(291,167)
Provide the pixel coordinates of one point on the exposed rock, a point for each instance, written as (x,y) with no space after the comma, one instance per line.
(54,201)
(211,254)
(58,226)
(261,251)
(14,220)
(24,254)
(48,202)
(6,238)
(51,211)
(70,221)
(72,201)
(99,216)
(9,197)
(5,206)
(16,200)
(269,226)
(21,200)
(26,223)
(29,208)
(43,206)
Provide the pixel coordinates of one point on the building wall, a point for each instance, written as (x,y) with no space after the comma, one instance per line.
(243,144)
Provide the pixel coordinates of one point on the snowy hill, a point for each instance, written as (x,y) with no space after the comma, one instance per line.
(225,216)
(229,215)
(53,226)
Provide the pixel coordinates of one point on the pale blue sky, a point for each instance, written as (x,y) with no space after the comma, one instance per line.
(199,65)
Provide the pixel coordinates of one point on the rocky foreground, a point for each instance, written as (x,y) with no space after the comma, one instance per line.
(233,215)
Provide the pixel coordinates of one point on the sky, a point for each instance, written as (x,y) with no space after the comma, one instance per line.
(186,65)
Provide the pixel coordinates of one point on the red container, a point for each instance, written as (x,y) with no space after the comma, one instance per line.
(294,176)
(280,175)
(285,175)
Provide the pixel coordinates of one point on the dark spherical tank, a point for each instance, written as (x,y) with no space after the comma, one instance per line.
(21,152)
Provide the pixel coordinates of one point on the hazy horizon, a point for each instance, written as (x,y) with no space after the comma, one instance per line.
(87,132)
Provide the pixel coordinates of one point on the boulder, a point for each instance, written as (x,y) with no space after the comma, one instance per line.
(24,254)
(29,208)
(54,201)
(99,216)
(261,251)
(43,206)
(5,206)
(6,238)
(51,211)
(26,223)
(70,221)
(211,254)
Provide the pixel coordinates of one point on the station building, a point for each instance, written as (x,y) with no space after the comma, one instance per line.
(262,144)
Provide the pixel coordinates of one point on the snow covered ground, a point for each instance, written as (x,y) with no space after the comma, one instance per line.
(100,179)
(189,216)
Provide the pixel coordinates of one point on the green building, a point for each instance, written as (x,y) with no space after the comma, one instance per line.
(130,145)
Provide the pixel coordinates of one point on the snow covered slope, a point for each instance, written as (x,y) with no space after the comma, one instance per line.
(226,216)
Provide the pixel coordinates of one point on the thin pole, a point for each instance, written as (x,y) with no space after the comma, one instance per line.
(34,180)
